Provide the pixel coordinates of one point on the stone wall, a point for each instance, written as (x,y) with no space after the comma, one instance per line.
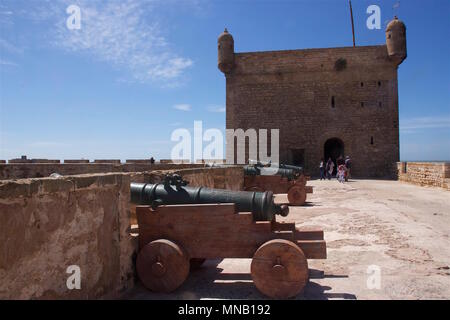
(302,93)
(39,170)
(435,174)
(231,178)
(48,224)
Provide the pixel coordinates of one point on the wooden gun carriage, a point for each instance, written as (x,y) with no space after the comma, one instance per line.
(295,188)
(173,235)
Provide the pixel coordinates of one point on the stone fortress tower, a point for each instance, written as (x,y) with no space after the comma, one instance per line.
(396,40)
(327,102)
(225,48)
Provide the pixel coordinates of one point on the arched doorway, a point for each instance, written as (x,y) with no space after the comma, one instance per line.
(333,148)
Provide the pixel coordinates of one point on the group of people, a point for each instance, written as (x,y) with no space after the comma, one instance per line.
(343,168)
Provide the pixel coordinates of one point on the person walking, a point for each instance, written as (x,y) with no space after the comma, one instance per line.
(341,173)
(348,166)
(322,169)
(339,161)
(329,168)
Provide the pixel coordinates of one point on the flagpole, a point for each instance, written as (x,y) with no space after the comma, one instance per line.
(353,26)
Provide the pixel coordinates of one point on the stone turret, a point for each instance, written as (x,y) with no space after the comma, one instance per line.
(225,48)
(396,40)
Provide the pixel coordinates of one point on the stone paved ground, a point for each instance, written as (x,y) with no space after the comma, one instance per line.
(401,228)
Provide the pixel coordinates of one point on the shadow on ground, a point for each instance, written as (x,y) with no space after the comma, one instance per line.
(209,281)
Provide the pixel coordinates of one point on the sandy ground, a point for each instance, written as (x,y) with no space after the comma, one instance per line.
(385,240)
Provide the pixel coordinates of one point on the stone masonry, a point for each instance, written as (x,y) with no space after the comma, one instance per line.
(325,102)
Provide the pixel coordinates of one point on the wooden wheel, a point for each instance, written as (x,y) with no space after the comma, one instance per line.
(301,180)
(279,269)
(296,195)
(196,263)
(162,265)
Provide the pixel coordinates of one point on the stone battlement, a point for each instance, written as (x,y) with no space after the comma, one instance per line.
(40,170)
(435,174)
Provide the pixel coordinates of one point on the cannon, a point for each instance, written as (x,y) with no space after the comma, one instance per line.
(286,179)
(295,169)
(254,170)
(195,225)
(174,190)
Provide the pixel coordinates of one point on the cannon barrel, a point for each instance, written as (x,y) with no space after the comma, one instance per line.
(254,170)
(269,164)
(260,204)
(290,166)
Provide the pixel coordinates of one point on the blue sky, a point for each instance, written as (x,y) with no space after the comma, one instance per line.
(137,70)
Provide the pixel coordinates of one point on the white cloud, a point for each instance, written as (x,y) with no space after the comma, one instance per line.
(413,124)
(9,47)
(171,69)
(126,34)
(182,107)
(7,63)
(216,108)
(5,15)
